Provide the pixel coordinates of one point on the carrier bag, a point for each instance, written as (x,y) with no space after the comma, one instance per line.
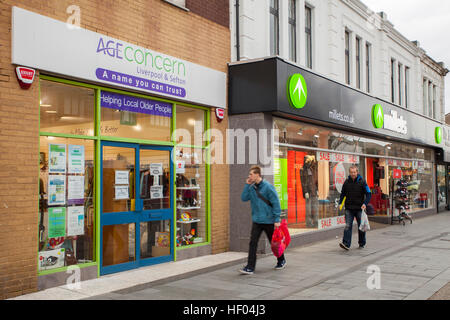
(280,239)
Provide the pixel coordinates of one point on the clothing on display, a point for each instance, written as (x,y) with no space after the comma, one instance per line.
(309,181)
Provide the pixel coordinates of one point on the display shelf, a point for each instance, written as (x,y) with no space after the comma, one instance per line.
(188,222)
(188,208)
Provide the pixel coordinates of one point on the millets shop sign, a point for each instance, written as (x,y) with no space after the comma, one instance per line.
(392,121)
(50,45)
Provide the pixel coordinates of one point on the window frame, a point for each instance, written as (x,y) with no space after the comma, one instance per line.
(292,22)
(347,46)
(308,37)
(274,12)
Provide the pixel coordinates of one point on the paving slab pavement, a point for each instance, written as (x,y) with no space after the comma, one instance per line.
(413,263)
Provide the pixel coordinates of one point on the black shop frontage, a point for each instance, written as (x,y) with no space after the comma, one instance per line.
(318,128)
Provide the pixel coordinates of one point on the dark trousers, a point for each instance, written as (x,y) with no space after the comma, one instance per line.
(257,229)
(350,215)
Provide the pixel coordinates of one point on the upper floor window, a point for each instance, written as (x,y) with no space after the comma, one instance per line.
(274,28)
(392,81)
(400,84)
(292,31)
(406,86)
(358,62)
(368,71)
(347,57)
(308,36)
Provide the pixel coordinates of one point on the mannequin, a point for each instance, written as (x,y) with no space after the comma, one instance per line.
(308,175)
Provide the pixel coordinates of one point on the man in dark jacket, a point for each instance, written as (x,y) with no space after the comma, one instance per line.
(266,213)
(357,194)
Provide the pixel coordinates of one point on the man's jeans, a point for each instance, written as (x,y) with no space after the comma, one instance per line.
(350,215)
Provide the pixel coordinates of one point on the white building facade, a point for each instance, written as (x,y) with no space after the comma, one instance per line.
(344,41)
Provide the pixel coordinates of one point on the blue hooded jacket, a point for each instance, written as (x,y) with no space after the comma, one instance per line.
(261,212)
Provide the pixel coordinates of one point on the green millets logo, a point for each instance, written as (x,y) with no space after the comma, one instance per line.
(377,116)
(438,135)
(297,91)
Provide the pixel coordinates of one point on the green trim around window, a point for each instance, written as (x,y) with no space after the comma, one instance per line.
(137,141)
(97,161)
(63,269)
(68,136)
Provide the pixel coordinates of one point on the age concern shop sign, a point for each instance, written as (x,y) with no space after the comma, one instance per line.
(50,45)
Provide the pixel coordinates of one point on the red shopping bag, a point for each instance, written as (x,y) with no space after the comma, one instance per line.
(280,239)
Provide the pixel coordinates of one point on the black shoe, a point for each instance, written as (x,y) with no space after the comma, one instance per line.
(280,265)
(246,270)
(343,246)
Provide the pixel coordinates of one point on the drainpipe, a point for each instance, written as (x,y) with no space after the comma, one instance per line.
(238,56)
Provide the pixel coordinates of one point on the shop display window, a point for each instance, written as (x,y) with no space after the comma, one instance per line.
(66,109)
(66,202)
(442,190)
(191,196)
(190,126)
(309,179)
(412,181)
(134,118)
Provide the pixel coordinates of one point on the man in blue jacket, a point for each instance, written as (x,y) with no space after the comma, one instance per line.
(266,212)
(358,195)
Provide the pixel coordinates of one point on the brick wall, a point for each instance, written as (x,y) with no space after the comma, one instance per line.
(152,24)
(214,10)
(220,184)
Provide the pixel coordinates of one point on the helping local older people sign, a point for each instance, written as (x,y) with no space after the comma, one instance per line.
(48,44)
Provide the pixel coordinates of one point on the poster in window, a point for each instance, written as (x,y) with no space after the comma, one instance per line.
(56,190)
(56,222)
(122,177)
(76,159)
(156,169)
(156,192)
(75,221)
(51,259)
(57,158)
(121,193)
(75,190)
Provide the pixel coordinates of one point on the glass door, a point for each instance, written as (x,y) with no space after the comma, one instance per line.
(136,207)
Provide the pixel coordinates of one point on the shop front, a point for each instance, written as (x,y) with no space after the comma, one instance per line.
(124,177)
(320,129)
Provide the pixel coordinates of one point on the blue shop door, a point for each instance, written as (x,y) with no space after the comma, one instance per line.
(136,206)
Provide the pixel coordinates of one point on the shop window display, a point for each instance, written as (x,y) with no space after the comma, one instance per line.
(190,126)
(442,195)
(191,201)
(66,202)
(66,109)
(309,179)
(417,178)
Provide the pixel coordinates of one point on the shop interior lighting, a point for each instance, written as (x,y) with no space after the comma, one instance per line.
(137,127)
(44,105)
(51,111)
(68,118)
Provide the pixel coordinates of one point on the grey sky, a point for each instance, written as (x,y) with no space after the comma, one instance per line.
(425,21)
